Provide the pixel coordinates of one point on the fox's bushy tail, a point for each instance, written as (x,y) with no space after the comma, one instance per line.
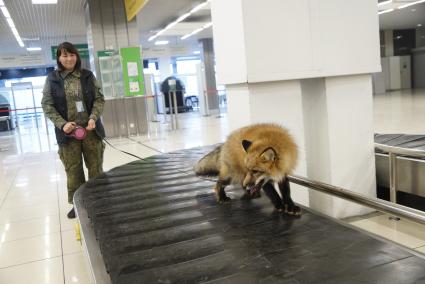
(209,165)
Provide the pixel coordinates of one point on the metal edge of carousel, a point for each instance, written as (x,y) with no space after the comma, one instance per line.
(148,221)
(400,168)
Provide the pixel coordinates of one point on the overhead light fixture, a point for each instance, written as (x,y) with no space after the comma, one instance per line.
(44,1)
(5,12)
(385,2)
(196,52)
(11,24)
(161,42)
(385,11)
(419,25)
(199,7)
(33,48)
(410,4)
(197,31)
(179,19)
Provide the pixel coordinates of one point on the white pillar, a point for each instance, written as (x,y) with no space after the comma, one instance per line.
(207,58)
(293,63)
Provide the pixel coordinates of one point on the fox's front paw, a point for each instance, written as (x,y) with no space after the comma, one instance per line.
(292,209)
(249,196)
(223,199)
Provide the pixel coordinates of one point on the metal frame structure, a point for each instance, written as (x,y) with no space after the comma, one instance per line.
(393,153)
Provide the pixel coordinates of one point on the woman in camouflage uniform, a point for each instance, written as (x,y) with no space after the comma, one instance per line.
(71,98)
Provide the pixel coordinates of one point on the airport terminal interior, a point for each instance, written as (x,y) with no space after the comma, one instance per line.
(346,79)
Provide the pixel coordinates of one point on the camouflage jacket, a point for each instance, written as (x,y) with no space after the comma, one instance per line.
(61,93)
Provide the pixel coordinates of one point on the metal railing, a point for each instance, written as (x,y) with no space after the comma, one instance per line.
(375,203)
(393,152)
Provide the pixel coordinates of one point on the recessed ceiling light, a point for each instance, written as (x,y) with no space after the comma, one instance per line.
(161,42)
(419,25)
(44,1)
(196,52)
(33,48)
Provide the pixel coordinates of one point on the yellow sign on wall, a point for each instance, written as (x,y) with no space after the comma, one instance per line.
(132,7)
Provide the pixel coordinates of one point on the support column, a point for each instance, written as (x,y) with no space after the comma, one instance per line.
(312,79)
(207,58)
(107,28)
(389,42)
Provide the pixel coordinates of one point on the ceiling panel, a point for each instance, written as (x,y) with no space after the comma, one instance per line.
(47,25)
(42,25)
(407,18)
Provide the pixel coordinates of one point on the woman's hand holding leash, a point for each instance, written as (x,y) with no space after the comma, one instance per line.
(69,127)
(91,124)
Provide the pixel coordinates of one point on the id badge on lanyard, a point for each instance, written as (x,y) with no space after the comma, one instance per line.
(79,106)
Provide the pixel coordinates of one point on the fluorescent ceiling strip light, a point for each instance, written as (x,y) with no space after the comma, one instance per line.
(10,22)
(197,8)
(385,11)
(161,42)
(207,25)
(179,19)
(15,32)
(410,4)
(385,3)
(44,1)
(21,44)
(182,17)
(5,12)
(197,30)
(33,48)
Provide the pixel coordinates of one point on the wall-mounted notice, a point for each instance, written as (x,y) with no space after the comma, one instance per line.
(132,65)
(132,69)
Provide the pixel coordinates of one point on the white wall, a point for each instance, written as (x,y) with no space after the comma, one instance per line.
(230,49)
(301,35)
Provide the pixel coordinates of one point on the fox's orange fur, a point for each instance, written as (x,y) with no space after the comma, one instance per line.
(252,155)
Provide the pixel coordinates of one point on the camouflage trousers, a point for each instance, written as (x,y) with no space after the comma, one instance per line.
(71,155)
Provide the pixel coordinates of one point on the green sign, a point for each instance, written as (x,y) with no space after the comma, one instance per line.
(106,53)
(132,71)
(83,50)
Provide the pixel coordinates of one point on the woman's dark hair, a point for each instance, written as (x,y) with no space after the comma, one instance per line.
(69,48)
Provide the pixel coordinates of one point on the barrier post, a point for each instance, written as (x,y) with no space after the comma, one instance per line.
(176,110)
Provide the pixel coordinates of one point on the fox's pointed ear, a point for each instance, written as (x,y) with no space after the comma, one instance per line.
(246,144)
(269,155)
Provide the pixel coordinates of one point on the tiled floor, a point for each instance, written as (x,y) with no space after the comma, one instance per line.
(37,241)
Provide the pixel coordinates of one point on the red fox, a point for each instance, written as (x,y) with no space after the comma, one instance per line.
(256,156)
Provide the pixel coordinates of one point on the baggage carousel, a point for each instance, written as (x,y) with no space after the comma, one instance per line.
(153,221)
(400,168)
